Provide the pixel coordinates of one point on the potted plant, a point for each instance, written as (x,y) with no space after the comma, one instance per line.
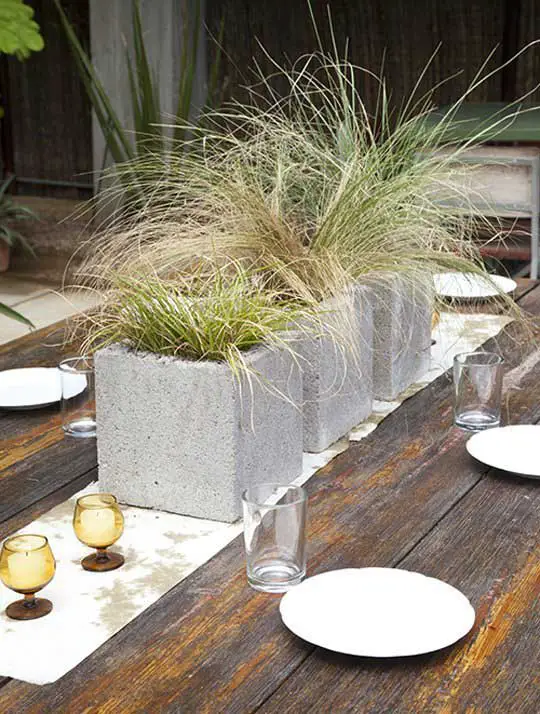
(10,214)
(322,197)
(198,389)
(337,369)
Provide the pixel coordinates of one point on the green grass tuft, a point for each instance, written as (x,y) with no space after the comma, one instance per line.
(217,313)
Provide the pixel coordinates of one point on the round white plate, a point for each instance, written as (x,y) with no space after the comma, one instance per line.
(468,286)
(36,387)
(377,612)
(511,448)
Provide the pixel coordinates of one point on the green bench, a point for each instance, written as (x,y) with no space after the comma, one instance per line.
(508,174)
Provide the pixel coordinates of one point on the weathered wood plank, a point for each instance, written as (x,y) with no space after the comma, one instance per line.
(49,110)
(35,457)
(42,473)
(42,430)
(42,348)
(489,547)
(41,506)
(36,349)
(212,644)
(524,286)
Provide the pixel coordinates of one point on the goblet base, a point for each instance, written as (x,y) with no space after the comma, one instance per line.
(99,563)
(29,609)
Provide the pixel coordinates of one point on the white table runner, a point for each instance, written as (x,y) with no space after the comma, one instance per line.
(161,549)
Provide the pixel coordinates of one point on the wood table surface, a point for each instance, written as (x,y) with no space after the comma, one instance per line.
(407,496)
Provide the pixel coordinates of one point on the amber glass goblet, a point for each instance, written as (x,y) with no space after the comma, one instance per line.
(26,566)
(98,522)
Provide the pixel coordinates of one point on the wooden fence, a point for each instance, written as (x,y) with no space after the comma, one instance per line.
(46,131)
(46,134)
(397,35)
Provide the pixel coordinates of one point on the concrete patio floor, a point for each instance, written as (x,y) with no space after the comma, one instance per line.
(42,303)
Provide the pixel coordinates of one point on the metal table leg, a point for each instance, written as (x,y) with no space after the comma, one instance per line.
(535,218)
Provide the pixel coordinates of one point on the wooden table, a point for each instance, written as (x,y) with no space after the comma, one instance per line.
(407,496)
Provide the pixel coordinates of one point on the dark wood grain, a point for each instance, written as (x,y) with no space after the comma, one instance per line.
(528,64)
(36,459)
(212,644)
(49,111)
(36,349)
(489,547)
(44,472)
(40,506)
(386,37)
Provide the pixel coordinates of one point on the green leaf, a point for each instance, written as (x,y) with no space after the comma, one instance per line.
(115,134)
(5,185)
(14,315)
(144,89)
(188,67)
(144,92)
(19,33)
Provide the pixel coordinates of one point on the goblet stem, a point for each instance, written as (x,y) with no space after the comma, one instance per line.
(29,601)
(102,560)
(102,555)
(29,608)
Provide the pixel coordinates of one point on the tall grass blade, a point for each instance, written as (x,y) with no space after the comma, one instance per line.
(14,315)
(116,137)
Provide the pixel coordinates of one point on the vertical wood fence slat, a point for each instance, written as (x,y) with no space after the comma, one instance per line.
(401,33)
(469,30)
(528,64)
(50,114)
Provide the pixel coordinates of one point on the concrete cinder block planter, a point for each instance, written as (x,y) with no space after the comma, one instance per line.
(338,379)
(182,436)
(402,315)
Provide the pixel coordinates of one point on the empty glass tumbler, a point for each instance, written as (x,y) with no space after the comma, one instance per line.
(477,390)
(275,536)
(78,396)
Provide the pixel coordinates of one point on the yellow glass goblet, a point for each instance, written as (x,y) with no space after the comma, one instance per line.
(26,566)
(98,522)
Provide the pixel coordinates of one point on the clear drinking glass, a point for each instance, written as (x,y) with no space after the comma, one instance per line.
(78,396)
(275,536)
(477,390)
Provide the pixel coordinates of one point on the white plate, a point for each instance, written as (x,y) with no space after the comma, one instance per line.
(36,387)
(377,612)
(513,448)
(468,286)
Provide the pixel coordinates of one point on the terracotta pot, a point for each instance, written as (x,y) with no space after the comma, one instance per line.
(5,252)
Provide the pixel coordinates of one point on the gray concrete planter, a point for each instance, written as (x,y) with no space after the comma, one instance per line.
(182,436)
(338,379)
(402,315)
